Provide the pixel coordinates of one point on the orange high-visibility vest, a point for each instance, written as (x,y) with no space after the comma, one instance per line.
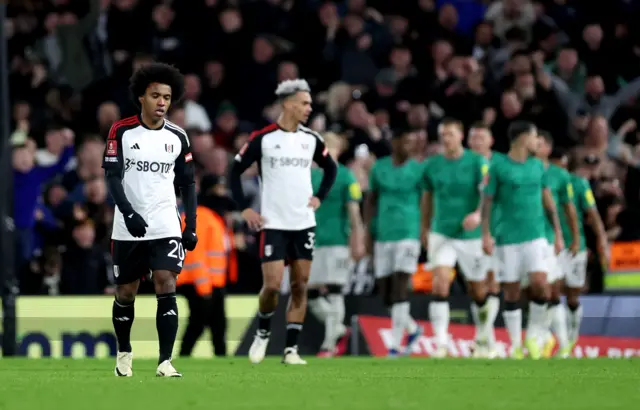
(214,257)
(195,269)
(221,254)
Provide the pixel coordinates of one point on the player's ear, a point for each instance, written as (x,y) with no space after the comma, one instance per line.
(140,99)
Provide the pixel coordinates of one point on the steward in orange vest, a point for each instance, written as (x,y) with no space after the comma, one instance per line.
(208,267)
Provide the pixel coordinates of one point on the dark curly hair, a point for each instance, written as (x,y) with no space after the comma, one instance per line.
(157,73)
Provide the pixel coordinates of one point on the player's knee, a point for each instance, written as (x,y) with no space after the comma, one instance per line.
(125,294)
(478,292)
(164,283)
(511,292)
(298,288)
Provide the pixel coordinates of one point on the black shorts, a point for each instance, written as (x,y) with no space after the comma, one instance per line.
(134,259)
(276,245)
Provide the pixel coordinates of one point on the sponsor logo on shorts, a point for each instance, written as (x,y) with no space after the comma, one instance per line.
(268,250)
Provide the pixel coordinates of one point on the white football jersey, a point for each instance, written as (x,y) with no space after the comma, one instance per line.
(149,160)
(284,160)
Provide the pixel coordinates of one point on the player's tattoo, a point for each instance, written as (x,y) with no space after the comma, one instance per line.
(485,211)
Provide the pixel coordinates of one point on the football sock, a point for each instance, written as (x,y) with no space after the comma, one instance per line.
(479,313)
(513,320)
(166,324)
(439,317)
(559,324)
(264,324)
(493,308)
(122,316)
(293,331)
(336,301)
(575,320)
(537,324)
(319,305)
(399,314)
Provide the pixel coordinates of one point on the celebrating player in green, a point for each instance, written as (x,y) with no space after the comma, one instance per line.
(392,216)
(517,185)
(451,228)
(339,242)
(481,140)
(559,182)
(575,266)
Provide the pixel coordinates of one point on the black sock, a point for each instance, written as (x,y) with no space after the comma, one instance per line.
(293,330)
(166,324)
(122,316)
(264,324)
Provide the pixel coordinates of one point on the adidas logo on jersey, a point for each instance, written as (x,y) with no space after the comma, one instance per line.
(135,146)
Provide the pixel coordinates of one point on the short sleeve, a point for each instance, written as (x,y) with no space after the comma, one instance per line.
(250,152)
(184,170)
(427,183)
(491,186)
(483,171)
(113,160)
(354,193)
(588,198)
(321,153)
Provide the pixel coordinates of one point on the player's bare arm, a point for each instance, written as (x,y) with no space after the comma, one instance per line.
(357,239)
(552,214)
(248,154)
(595,221)
(328,165)
(426,211)
(485,216)
(572,216)
(370,208)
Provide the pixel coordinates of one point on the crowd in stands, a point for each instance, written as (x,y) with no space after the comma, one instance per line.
(375,66)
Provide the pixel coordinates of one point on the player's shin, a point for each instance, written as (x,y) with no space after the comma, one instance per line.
(439,307)
(166,324)
(296,312)
(513,317)
(479,311)
(318,304)
(336,301)
(122,315)
(574,314)
(493,308)
(559,323)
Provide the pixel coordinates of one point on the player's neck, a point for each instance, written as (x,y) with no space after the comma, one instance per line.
(150,123)
(519,154)
(398,160)
(287,123)
(454,154)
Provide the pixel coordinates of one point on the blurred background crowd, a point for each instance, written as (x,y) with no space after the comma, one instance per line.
(375,66)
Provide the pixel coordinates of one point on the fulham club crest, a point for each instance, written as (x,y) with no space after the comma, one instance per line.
(168,148)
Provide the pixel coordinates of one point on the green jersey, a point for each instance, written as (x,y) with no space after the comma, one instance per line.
(399,189)
(583,200)
(559,183)
(455,186)
(495,210)
(332,219)
(516,188)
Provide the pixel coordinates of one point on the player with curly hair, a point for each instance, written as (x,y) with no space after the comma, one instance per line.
(145,156)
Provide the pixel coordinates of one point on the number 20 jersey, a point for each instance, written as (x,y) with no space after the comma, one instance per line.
(149,161)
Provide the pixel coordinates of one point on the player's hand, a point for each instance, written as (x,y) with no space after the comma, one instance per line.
(575,247)
(136,225)
(314,203)
(254,219)
(189,239)
(559,244)
(471,221)
(368,244)
(487,244)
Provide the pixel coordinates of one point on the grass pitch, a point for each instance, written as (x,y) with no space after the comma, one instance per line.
(349,383)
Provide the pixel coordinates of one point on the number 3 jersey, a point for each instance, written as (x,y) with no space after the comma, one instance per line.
(150,162)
